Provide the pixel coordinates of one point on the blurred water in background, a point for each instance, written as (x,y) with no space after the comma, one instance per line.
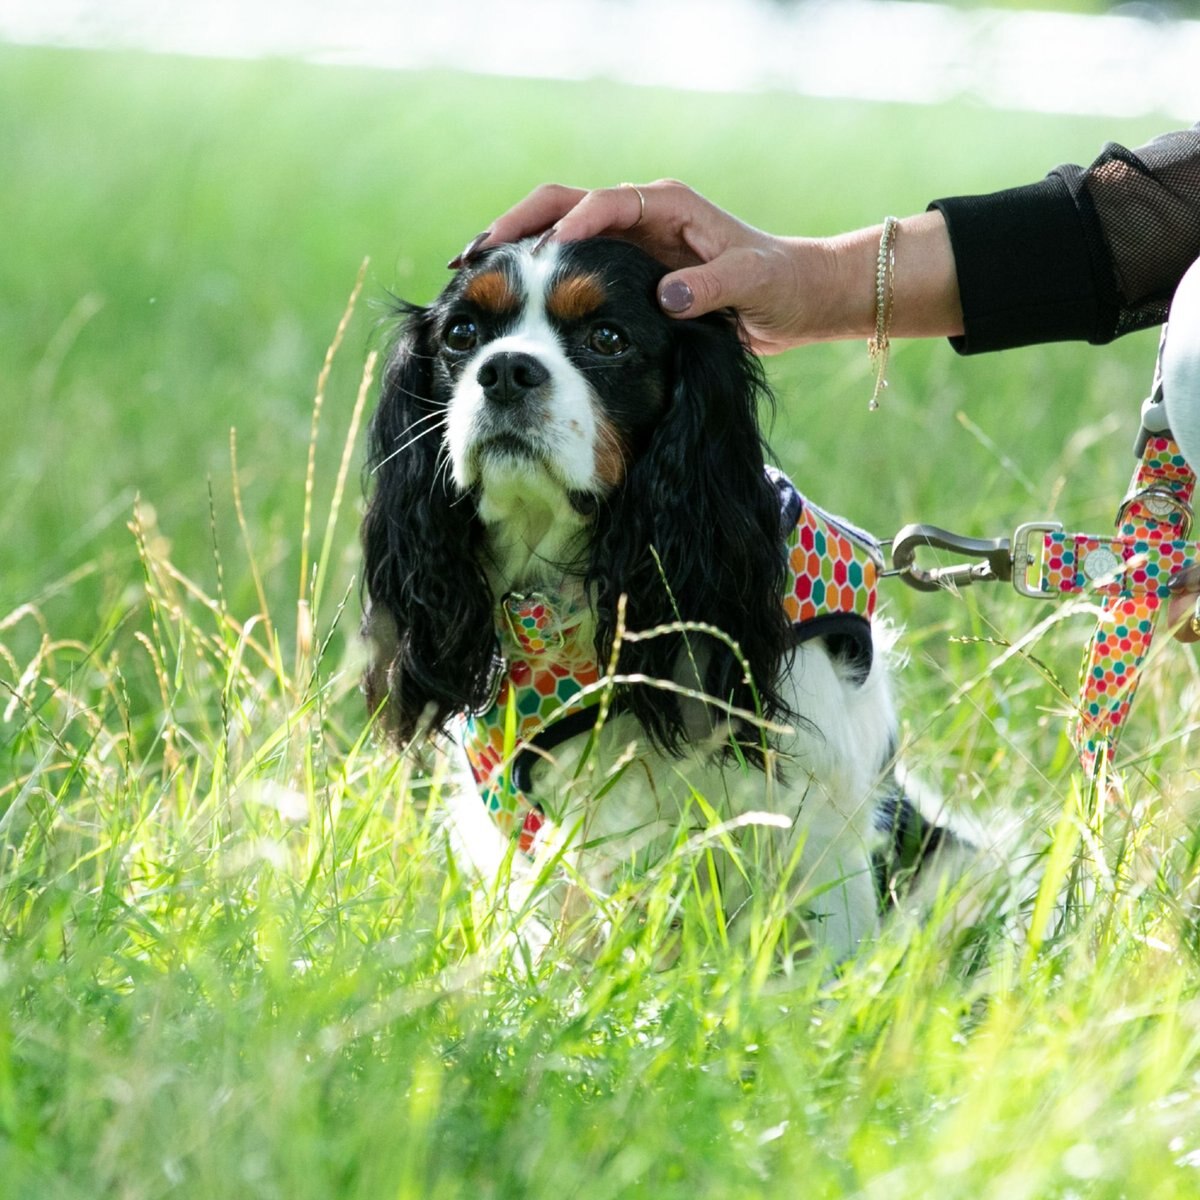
(1137,60)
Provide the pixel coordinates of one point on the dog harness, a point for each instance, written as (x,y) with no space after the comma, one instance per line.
(550,685)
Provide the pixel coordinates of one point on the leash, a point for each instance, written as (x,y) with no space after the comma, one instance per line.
(1130,571)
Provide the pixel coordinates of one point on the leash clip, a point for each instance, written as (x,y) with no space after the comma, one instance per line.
(1004,560)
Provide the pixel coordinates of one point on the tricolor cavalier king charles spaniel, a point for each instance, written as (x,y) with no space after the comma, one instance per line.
(579,564)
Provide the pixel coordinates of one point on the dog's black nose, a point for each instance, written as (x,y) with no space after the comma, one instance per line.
(508,377)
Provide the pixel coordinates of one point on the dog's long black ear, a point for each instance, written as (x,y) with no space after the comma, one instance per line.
(427,604)
(699,497)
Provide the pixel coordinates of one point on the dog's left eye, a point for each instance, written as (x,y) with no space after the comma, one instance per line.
(606,340)
(461,336)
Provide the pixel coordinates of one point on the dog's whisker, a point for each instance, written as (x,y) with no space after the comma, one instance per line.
(440,416)
(435,404)
(409,444)
(413,426)
(442,472)
(420,397)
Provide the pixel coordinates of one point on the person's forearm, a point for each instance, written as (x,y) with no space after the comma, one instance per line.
(926,300)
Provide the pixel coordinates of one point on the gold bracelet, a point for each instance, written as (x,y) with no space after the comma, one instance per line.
(1194,623)
(885,295)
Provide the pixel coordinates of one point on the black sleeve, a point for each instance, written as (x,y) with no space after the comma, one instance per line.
(1086,254)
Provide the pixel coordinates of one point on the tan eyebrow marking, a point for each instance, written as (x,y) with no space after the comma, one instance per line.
(575,297)
(492,291)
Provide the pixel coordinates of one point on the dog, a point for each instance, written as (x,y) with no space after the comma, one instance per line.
(579,563)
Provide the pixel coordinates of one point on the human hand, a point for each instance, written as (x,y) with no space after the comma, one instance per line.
(715,260)
(787,291)
(1182,612)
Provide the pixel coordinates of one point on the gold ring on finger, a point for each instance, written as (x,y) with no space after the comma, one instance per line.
(641,203)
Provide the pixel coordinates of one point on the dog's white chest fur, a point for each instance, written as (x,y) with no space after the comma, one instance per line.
(805,825)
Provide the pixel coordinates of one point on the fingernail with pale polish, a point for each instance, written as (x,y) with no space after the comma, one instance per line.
(543,239)
(676,297)
(471,250)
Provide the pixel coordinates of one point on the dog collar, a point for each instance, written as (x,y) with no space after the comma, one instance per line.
(545,694)
(548,680)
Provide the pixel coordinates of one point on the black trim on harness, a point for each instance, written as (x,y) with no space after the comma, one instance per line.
(848,637)
(538,746)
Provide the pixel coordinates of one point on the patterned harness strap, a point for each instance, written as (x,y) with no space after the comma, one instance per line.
(1134,570)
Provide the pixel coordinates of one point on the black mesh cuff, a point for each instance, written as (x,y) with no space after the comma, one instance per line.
(1024,272)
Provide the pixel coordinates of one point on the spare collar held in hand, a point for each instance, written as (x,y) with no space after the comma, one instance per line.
(550,685)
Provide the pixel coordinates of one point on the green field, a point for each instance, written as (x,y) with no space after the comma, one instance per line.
(234,961)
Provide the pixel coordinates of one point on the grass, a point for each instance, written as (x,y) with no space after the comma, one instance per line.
(234,960)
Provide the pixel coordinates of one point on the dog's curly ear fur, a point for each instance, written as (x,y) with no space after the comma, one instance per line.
(700,498)
(427,604)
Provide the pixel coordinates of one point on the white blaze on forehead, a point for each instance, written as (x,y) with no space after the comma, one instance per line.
(535,271)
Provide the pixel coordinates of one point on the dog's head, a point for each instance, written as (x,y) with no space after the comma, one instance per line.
(547,389)
(553,365)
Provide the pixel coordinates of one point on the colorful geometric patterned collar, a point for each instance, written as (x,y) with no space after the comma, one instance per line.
(548,675)
(534,624)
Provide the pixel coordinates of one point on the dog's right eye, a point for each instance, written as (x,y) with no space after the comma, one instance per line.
(608,341)
(461,336)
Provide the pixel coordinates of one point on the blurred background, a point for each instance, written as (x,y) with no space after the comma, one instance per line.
(188,193)
(233,958)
